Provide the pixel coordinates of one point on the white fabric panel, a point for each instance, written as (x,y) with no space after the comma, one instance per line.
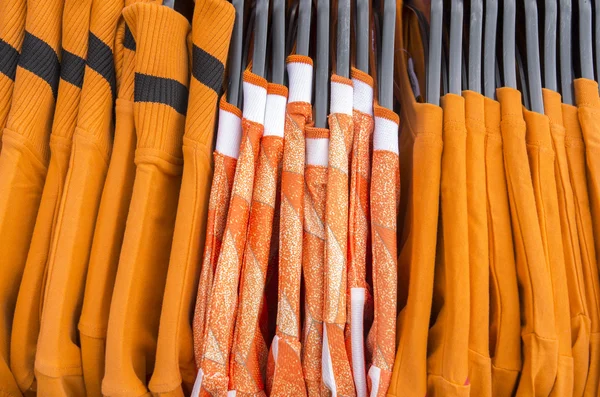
(317,151)
(385,136)
(275,115)
(363,97)
(229,134)
(357,307)
(341,98)
(300,82)
(327,365)
(255,99)
(198,384)
(275,347)
(375,376)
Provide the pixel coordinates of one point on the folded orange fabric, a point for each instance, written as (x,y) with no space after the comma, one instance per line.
(538,327)
(505,316)
(26,152)
(223,302)
(313,252)
(385,196)
(26,326)
(160,103)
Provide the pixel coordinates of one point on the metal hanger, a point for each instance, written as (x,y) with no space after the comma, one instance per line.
(586,48)
(278,41)
(304,16)
(489,50)
(235,55)
(322,64)
(522,79)
(455,52)
(435,52)
(566,65)
(550,23)
(169,3)
(261,23)
(534,74)
(597,37)
(386,76)
(343,39)
(508,43)
(475,34)
(362,35)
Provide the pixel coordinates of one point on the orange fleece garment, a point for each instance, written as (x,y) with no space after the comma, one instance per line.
(588,105)
(385,197)
(25,157)
(538,327)
(175,369)
(541,162)
(26,326)
(505,317)
(160,103)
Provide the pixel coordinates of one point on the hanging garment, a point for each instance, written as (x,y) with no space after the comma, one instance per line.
(313,251)
(225,157)
(385,196)
(24,158)
(359,294)
(538,332)
(284,371)
(420,145)
(58,358)
(541,162)
(175,369)
(250,349)
(505,320)
(160,103)
(26,325)
(337,374)
(110,224)
(480,367)
(448,344)
(579,317)
(223,302)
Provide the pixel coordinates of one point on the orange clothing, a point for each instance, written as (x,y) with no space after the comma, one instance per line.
(284,371)
(313,252)
(26,326)
(541,163)
(160,103)
(225,158)
(538,327)
(448,344)
(12,32)
(385,197)
(25,155)
(337,374)
(505,330)
(420,145)
(110,223)
(588,197)
(579,316)
(480,365)
(250,350)
(359,294)
(175,369)
(58,358)
(223,302)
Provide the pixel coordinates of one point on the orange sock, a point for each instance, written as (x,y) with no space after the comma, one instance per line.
(26,324)
(25,157)
(160,104)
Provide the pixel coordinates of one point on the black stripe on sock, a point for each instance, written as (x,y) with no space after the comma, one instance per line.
(72,68)
(40,59)
(100,59)
(9,57)
(129,41)
(161,90)
(207,69)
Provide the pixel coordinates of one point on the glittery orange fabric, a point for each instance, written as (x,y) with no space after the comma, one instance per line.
(285,376)
(249,355)
(223,302)
(315,190)
(336,219)
(385,197)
